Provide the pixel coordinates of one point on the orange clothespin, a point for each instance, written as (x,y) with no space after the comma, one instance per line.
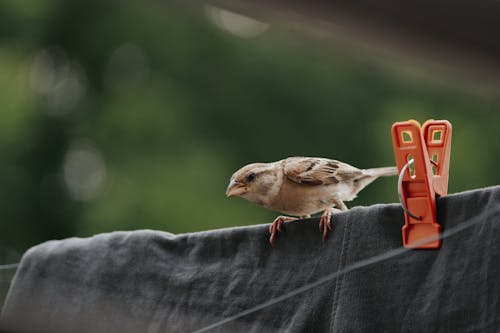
(423,160)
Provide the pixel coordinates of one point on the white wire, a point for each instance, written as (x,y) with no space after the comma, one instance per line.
(360,264)
(8,266)
(400,190)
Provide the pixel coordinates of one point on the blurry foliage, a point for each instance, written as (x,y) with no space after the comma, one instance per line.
(129,115)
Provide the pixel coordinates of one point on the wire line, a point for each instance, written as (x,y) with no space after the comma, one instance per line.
(8,266)
(360,264)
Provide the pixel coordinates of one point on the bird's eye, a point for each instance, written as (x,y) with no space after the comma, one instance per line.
(251,177)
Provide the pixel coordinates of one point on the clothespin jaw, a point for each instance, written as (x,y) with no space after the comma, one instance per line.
(437,134)
(422,157)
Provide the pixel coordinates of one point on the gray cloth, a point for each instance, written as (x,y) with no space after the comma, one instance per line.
(151,281)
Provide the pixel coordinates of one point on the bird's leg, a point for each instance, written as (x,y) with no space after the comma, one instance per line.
(340,204)
(276,226)
(325,224)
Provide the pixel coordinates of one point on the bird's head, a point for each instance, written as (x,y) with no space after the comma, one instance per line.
(254,182)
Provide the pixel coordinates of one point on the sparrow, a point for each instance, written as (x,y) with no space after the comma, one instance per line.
(301,186)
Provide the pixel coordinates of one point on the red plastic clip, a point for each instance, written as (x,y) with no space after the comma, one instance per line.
(423,160)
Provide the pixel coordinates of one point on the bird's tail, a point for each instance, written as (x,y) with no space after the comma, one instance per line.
(382,172)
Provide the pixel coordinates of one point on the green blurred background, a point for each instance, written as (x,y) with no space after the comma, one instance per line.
(131,115)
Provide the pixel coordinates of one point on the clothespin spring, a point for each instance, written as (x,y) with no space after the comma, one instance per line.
(400,188)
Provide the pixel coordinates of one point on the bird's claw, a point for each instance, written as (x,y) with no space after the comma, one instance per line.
(325,223)
(277,226)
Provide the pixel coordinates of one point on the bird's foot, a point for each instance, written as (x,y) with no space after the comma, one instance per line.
(325,222)
(277,226)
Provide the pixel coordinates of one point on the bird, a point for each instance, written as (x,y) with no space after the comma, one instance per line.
(301,186)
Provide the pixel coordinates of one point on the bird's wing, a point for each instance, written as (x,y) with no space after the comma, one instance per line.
(319,171)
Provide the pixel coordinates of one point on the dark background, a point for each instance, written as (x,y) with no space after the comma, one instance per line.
(131,115)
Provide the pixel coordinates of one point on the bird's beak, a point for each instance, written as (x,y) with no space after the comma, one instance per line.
(235,188)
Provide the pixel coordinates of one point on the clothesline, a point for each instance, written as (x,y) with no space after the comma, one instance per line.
(8,266)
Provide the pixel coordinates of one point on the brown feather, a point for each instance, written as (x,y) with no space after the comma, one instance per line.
(318,171)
